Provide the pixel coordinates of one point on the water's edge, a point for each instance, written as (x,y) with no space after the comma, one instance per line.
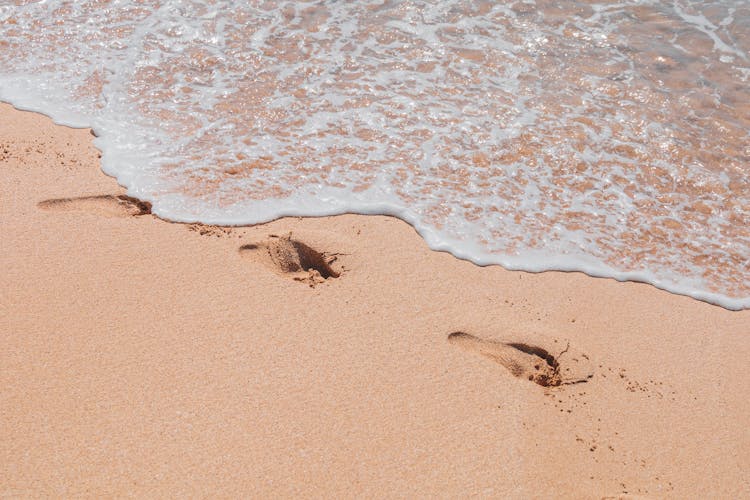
(434,241)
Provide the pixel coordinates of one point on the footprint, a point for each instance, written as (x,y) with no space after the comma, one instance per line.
(294,258)
(107,205)
(528,361)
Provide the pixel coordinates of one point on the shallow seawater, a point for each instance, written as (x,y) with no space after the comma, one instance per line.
(607,137)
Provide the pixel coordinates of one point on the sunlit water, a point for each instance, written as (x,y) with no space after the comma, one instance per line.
(612,138)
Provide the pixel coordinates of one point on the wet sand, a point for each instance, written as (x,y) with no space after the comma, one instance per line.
(146,358)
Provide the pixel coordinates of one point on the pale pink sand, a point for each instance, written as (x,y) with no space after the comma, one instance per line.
(140,357)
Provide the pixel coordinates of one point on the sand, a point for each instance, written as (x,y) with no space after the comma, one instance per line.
(145,358)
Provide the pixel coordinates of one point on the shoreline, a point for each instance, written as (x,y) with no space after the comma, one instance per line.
(584,264)
(149,358)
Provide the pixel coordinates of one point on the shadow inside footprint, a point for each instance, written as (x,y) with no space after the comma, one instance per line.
(288,256)
(107,205)
(525,360)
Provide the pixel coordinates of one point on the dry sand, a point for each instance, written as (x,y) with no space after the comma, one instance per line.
(145,358)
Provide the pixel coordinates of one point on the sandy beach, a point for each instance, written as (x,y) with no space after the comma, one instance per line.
(146,358)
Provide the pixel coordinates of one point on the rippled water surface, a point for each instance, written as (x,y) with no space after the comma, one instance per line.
(608,137)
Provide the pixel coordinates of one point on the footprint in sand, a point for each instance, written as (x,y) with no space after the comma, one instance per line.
(107,205)
(528,361)
(293,258)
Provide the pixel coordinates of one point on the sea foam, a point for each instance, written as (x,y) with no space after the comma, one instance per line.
(608,137)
